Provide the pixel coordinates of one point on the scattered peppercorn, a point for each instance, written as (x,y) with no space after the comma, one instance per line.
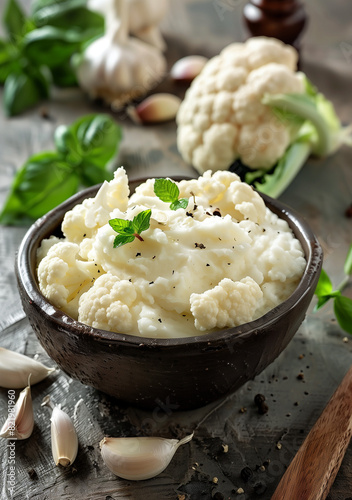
(300,376)
(32,474)
(246,474)
(259,399)
(259,487)
(218,496)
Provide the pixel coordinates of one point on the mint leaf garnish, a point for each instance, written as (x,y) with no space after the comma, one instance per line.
(168,191)
(130,229)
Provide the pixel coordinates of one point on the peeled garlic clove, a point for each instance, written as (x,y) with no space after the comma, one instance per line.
(20,422)
(155,108)
(187,68)
(15,369)
(139,458)
(64,440)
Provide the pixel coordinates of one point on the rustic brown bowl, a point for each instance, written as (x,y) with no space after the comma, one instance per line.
(180,373)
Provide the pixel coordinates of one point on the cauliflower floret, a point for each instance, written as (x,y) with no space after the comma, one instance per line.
(226,305)
(262,50)
(62,278)
(108,304)
(222,117)
(85,219)
(261,144)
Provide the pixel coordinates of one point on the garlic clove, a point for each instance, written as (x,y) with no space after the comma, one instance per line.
(187,68)
(15,369)
(155,108)
(139,458)
(20,422)
(64,440)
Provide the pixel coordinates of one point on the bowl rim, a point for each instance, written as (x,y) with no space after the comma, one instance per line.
(39,230)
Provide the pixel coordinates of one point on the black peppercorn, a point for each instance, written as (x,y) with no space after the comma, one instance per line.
(259,487)
(263,408)
(259,399)
(246,474)
(218,496)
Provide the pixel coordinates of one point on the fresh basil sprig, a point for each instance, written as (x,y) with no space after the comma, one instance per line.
(342,305)
(83,151)
(166,190)
(38,48)
(128,230)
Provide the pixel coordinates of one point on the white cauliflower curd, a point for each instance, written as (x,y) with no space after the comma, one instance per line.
(222,260)
(223,118)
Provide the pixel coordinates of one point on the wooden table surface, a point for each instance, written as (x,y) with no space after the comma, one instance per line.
(232,435)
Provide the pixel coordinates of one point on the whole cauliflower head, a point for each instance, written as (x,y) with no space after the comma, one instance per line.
(222,117)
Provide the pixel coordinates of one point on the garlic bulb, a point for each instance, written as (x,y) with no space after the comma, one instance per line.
(20,422)
(116,67)
(144,18)
(137,458)
(15,369)
(64,440)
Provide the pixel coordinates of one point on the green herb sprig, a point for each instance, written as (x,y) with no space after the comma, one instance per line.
(342,305)
(128,230)
(83,152)
(39,47)
(166,190)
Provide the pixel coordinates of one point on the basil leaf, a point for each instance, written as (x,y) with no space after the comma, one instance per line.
(63,75)
(182,203)
(66,144)
(166,190)
(97,138)
(50,46)
(142,221)
(324,286)
(70,14)
(8,60)
(122,240)
(91,174)
(23,90)
(14,20)
(343,312)
(348,262)
(41,184)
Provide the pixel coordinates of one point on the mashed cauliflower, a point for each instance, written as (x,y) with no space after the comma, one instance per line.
(223,261)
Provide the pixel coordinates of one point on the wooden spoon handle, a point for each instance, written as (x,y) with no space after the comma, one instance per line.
(314,467)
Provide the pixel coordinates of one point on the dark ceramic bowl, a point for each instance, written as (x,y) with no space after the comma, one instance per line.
(183,373)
